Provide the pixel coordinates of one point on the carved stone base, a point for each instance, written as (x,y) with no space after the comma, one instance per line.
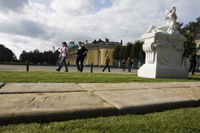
(161,71)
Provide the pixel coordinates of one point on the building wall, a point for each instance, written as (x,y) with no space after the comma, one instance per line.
(92,57)
(103,55)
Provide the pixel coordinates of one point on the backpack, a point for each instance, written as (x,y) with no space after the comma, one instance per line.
(192,57)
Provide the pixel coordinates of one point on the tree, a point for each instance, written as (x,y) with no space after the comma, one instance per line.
(141,53)
(128,49)
(6,55)
(189,45)
(189,31)
(122,52)
(136,48)
(116,51)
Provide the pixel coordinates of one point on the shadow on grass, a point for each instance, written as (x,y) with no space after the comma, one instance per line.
(193,78)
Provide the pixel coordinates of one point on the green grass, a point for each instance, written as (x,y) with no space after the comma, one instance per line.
(72,77)
(185,120)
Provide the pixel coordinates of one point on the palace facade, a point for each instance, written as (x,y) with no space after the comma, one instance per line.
(97,51)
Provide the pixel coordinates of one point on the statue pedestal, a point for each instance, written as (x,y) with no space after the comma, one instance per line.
(163,56)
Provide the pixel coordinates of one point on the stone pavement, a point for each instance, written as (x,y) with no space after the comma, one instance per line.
(44,102)
(71,69)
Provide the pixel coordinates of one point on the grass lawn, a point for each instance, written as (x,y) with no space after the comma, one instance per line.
(72,77)
(186,120)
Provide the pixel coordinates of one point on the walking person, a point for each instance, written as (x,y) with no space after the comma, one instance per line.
(64,54)
(107,60)
(129,64)
(81,53)
(123,64)
(193,62)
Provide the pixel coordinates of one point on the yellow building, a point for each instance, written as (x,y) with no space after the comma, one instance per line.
(97,52)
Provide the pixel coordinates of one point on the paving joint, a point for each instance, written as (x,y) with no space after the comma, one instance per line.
(37,92)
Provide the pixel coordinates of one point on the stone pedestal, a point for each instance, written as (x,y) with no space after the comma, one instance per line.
(163,56)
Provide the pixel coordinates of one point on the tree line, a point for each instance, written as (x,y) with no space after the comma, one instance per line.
(37,57)
(132,50)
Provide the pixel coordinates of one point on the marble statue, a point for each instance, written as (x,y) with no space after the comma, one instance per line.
(163,47)
(171,26)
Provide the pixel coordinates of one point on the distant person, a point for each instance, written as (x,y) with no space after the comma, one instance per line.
(129,64)
(64,54)
(107,60)
(81,53)
(193,62)
(123,64)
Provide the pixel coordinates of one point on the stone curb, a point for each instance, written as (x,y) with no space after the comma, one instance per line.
(158,107)
(51,116)
(1,85)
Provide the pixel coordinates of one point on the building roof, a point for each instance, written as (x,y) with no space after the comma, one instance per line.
(71,45)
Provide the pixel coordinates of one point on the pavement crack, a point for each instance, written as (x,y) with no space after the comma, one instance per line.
(32,100)
(45,99)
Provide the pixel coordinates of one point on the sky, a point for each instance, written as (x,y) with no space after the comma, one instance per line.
(41,24)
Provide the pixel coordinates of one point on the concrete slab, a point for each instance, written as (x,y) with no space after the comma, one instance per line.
(192,93)
(38,107)
(111,86)
(13,88)
(1,85)
(160,85)
(145,101)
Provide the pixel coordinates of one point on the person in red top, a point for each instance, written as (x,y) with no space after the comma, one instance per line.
(64,54)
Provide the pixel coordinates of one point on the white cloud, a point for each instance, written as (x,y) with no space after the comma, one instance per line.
(35,26)
(72,7)
(103,1)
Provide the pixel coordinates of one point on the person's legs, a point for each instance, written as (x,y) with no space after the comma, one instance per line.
(61,63)
(104,68)
(108,68)
(66,69)
(193,67)
(82,59)
(77,63)
(190,67)
(129,68)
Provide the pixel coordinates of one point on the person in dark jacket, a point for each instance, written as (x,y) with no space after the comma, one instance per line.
(107,60)
(80,56)
(123,64)
(129,64)
(193,62)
